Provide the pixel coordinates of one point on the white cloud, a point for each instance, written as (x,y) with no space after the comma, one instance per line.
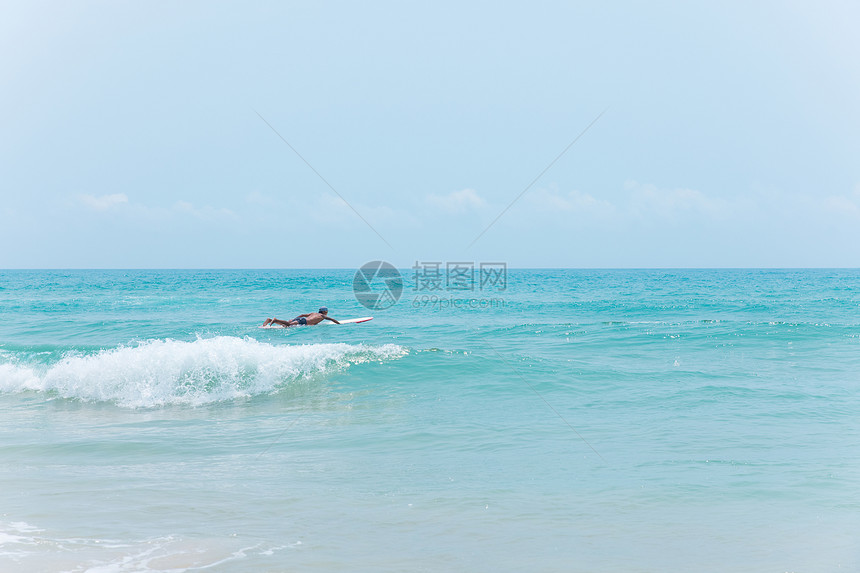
(206,212)
(845,204)
(649,201)
(457,201)
(571,202)
(331,209)
(103,202)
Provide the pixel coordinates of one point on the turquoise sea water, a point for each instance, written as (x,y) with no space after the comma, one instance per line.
(635,420)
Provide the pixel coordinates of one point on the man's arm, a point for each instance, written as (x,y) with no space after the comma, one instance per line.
(331,319)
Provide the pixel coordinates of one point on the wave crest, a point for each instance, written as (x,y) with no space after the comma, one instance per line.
(166,372)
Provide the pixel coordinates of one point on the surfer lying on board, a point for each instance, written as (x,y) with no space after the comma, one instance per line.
(302,319)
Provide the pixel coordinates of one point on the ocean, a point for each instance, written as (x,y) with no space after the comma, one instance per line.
(566,420)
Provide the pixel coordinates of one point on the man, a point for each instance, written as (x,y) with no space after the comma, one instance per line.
(302,319)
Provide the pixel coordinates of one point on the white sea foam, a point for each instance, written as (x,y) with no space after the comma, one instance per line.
(26,548)
(162,372)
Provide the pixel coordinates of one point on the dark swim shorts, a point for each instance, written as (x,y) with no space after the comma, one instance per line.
(302,320)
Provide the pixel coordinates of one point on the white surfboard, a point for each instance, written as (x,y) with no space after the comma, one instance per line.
(350,320)
(346,321)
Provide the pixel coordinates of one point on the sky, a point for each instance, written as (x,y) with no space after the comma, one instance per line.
(328,134)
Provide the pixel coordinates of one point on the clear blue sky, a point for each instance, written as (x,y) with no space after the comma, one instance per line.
(131,137)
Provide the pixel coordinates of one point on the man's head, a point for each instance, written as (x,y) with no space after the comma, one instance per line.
(323,310)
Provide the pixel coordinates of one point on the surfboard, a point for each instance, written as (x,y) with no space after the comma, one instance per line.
(345,321)
(350,320)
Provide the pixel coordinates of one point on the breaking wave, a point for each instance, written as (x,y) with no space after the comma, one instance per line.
(169,372)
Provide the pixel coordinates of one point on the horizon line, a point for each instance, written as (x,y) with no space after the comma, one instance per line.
(727,268)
